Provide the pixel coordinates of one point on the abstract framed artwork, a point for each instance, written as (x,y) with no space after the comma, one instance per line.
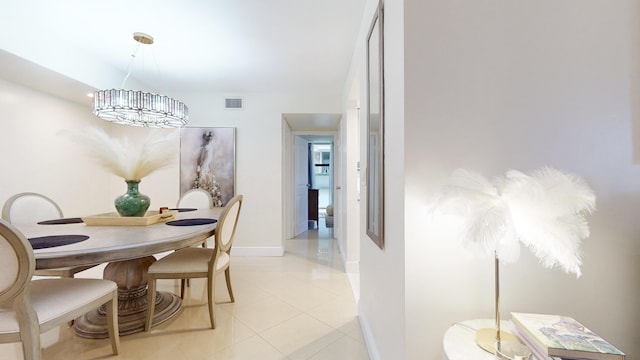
(208,161)
(375,129)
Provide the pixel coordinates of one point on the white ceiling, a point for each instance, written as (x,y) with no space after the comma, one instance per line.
(232,46)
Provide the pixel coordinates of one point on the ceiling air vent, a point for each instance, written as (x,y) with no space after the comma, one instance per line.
(233,103)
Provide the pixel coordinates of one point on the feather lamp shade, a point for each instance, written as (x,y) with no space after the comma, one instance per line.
(544,210)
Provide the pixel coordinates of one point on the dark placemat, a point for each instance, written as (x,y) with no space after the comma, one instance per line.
(43,242)
(184,209)
(75,220)
(191,222)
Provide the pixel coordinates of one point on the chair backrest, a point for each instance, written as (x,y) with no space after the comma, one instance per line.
(18,262)
(196,198)
(29,207)
(227,224)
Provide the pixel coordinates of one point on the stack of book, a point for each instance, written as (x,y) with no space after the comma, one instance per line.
(555,337)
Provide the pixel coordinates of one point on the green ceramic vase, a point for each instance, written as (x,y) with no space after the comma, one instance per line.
(132,203)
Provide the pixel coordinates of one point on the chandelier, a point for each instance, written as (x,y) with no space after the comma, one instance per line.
(139,108)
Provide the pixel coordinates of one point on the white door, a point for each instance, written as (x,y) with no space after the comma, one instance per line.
(301,172)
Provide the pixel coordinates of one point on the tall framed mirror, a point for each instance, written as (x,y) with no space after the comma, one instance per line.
(375,129)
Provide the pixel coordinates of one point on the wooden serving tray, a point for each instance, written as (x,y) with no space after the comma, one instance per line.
(114,219)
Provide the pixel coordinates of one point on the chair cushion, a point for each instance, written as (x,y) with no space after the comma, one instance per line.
(10,267)
(8,320)
(52,298)
(188,260)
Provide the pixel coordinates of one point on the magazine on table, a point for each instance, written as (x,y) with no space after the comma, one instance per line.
(551,336)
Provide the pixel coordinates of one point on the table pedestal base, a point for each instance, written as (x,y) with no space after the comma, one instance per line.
(131,277)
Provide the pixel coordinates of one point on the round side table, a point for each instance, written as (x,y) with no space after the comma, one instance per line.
(459,341)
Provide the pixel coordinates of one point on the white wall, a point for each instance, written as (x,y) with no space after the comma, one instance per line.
(348,210)
(491,86)
(258,163)
(288,161)
(259,157)
(36,159)
(382,272)
(495,85)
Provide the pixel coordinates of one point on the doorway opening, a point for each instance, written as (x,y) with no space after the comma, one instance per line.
(321,184)
(310,140)
(316,166)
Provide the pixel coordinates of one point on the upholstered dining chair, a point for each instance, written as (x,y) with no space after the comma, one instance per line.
(193,262)
(31,307)
(30,207)
(198,199)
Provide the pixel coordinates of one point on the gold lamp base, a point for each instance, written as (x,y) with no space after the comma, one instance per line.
(486,338)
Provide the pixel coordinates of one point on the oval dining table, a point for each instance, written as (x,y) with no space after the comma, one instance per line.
(129,251)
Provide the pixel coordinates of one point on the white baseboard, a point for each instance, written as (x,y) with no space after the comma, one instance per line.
(372,348)
(352,267)
(257,251)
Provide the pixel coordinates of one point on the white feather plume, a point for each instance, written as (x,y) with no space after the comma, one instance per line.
(487,226)
(548,208)
(128,159)
(545,211)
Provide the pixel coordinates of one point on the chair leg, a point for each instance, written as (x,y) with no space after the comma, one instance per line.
(227,276)
(29,330)
(69,274)
(211,288)
(112,323)
(151,302)
(31,348)
(183,284)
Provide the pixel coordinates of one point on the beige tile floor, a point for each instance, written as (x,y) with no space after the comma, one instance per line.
(299,306)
